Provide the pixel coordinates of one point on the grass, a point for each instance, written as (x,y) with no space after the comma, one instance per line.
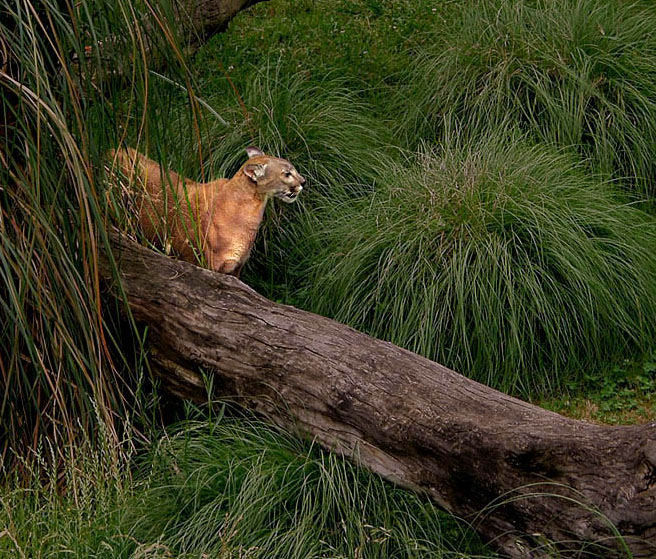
(321,125)
(512,261)
(367,43)
(51,324)
(502,260)
(70,511)
(622,395)
(227,488)
(64,368)
(231,488)
(573,72)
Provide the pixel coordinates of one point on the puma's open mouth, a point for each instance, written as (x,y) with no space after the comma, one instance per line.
(287,196)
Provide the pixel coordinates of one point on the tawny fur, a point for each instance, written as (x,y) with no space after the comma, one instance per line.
(218,220)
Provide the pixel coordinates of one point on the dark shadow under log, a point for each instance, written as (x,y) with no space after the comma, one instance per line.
(523,476)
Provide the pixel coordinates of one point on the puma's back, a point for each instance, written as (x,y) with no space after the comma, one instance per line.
(216,221)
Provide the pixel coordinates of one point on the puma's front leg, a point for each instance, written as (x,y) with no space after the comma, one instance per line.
(224,262)
(230,267)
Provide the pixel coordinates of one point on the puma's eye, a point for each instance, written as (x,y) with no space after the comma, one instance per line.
(288,174)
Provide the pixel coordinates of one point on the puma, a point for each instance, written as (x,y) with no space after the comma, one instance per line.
(215,221)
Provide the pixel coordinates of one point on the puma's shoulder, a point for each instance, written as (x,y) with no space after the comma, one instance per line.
(139,169)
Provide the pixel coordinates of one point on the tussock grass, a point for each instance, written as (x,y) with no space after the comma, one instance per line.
(320,125)
(245,489)
(502,260)
(574,72)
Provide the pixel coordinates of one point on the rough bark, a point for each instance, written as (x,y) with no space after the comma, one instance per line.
(522,476)
(206,17)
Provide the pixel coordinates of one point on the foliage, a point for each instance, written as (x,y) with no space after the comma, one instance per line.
(226,488)
(577,73)
(62,369)
(502,260)
(623,394)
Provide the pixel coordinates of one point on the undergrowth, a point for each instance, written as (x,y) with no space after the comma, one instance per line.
(52,334)
(623,394)
(226,488)
(502,260)
(578,73)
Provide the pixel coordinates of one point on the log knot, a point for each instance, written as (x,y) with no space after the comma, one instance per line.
(534,460)
(649,453)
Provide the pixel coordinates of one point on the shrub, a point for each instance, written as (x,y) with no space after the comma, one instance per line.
(502,260)
(575,72)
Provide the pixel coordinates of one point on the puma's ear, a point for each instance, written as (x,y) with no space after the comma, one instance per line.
(254,171)
(252,151)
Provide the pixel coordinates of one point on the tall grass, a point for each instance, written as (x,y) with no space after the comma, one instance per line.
(62,370)
(574,72)
(502,260)
(226,488)
(39,519)
(245,489)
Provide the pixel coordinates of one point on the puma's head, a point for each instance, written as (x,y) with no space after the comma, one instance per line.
(272,175)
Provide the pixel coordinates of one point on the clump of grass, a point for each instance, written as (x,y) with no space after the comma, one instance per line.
(575,72)
(320,125)
(245,489)
(502,260)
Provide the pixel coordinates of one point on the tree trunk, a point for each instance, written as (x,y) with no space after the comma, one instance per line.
(528,480)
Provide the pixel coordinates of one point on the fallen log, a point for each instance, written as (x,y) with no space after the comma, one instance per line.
(529,480)
(207,17)
(194,22)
